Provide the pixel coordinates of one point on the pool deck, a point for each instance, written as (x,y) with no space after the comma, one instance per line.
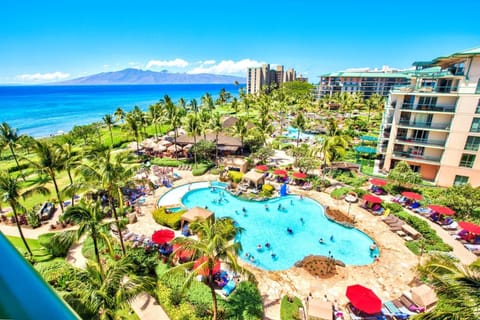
(388,278)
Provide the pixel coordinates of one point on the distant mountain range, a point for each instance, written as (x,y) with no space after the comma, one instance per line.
(136,76)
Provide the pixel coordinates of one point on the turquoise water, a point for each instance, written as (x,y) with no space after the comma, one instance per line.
(261,226)
(293,133)
(43,110)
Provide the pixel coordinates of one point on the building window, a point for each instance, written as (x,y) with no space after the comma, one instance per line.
(475,125)
(467,160)
(478,87)
(459,180)
(477,110)
(472,143)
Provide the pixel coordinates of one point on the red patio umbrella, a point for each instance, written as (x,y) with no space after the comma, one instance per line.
(470,227)
(371,198)
(442,210)
(280,172)
(378,182)
(364,299)
(299,175)
(163,236)
(182,253)
(412,195)
(205,271)
(261,168)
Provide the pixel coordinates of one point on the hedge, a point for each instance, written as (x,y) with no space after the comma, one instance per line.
(289,310)
(201,169)
(171,220)
(166,162)
(235,176)
(340,192)
(431,241)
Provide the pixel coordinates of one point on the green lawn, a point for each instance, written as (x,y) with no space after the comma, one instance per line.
(40,253)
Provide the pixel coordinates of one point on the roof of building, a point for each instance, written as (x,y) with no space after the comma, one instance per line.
(222,139)
(196,213)
(372,74)
(452,58)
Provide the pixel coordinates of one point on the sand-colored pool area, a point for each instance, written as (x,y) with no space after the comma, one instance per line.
(388,277)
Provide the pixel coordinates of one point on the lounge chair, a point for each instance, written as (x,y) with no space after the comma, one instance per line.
(229,287)
(396,312)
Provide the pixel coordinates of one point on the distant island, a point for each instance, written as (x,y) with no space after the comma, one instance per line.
(136,76)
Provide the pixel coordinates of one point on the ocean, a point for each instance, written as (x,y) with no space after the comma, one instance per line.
(42,111)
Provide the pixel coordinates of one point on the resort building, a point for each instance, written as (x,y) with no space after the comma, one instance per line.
(433,123)
(263,76)
(362,80)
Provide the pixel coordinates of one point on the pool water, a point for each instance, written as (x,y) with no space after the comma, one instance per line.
(293,133)
(263,222)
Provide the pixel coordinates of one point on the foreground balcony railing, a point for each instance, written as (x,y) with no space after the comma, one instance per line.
(427,107)
(416,157)
(427,125)
(440,143)
(436,89)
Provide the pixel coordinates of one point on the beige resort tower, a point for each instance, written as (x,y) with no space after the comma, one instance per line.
(434,122)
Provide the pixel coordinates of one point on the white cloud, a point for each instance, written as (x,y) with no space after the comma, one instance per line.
(180,63)
(208,62)
(42,76)
(227,67)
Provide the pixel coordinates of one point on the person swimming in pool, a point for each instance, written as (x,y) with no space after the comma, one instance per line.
(273,254)
(243,209)
(301,220)
(321,240)
(289,230)
(267,245)
(331,238)
(266,207)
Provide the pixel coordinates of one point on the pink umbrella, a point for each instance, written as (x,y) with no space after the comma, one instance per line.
(412,195)
(442,210)
(364,299)
(371,198)
(261,168)
(205,270)
(378,182)
(280,172)
(299,175)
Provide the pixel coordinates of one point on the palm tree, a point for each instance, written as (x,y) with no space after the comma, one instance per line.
(70,159)
(204,120)
(109,294)
(193,105)
(9,137)
(215,242)
(119,114)
(217,126)
(155,112)
(109,122)
(299,124)
(332,148)
(110,174)
(235,104)
(240,129)
(48,160)
(192,126)
(174,117)
(89,216)
(11,194)
(457,285)
(207,101)
(134,128)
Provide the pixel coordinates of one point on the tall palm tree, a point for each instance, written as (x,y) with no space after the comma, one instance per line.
(215,242)
(89,217)
(240,130)
(193,105)
(235,104)
(119,114)
(299,124)
(109,294)
(109,173)
(174,117)
(134,128)
(10,191)
(48,160)
(192,126)
(216,126)
(109,122)
(9,137)
(457,285)
(332,148)
(70,159)
(155,112)
(204,119)
(207,102)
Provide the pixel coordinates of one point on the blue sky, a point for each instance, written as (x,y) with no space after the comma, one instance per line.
(41,41)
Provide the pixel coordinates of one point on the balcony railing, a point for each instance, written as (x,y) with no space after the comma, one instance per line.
(426,89)
(428,125)
(440,143)
(416,157)
(428,107)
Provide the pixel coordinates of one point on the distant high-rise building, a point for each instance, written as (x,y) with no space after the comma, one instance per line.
(259,77)
(365,81)
(433,122)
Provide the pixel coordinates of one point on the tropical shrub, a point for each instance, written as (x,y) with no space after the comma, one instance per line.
(340,193)
(267,190)
(33,219)
(56,272)
(360,192)
(144,261)
(245,302)
(235,176)
(349,178)
(166,162)
(57,244)
(171,220)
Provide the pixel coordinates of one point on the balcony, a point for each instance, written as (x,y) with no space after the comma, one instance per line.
(416,157)
(423,142)
(428,107)
(426,89)
(425,125)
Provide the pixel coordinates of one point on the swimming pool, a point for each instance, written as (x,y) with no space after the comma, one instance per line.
(293,133)
(263,222)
